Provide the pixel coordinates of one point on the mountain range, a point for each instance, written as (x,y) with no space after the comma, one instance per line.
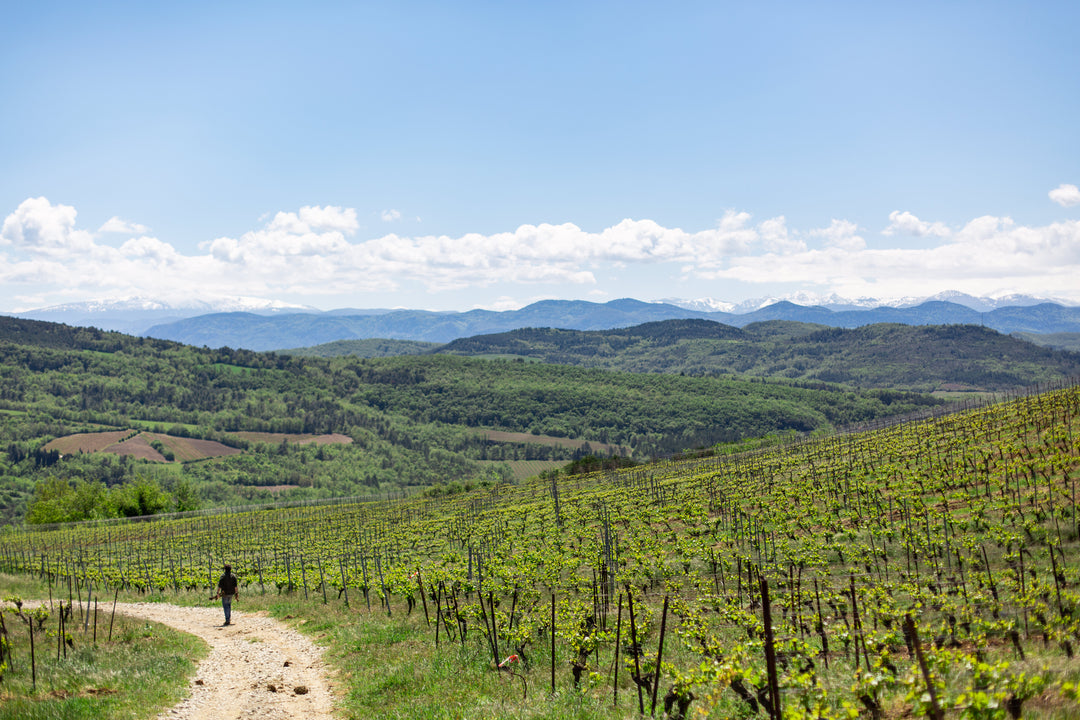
(261,325)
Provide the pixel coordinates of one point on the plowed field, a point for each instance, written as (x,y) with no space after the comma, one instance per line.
(297,438)
(138,444)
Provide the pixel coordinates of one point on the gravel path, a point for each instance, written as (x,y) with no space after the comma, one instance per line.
(257,666)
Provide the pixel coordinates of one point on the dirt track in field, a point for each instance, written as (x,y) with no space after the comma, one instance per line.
(257,667)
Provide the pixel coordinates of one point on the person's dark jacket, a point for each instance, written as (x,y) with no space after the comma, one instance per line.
(227,584)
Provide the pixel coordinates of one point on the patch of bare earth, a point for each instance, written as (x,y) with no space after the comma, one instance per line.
(138,446)
(257,667)
(298,438)
(188,449)
(86,442)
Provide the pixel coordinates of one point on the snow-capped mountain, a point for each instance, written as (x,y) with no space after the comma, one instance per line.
(228,321)
(134,315)
(837,303)
(701,304)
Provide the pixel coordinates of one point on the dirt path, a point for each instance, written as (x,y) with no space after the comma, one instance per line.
(257,667)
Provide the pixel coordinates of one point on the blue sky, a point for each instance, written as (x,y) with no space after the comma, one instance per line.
(488,154)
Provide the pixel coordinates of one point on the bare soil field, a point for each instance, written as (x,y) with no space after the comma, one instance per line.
(87,442)
(138,444)
(297,438)
(188,449)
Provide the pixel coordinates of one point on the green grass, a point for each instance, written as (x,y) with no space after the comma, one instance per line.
(390,668)
(142,670)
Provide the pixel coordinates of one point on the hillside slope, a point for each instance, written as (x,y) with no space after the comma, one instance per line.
(924,358)
(414,421)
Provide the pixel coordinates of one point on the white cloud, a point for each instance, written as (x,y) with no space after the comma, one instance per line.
(905,223)
(841,234)
(390,215)
(1065,195)
(312,218)
(116,225)
(312,252)
(151,249)
(37,226)
(776,239)
(987,256)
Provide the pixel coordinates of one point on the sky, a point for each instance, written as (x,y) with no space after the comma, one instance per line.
(450,156)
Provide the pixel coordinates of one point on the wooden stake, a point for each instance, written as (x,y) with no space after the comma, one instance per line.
(618,631)
(553,642)
(659,656)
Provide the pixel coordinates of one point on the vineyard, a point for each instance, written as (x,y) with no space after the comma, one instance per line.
(924,569)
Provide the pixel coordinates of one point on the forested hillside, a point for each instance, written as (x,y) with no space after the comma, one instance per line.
(923,358)
(414,422)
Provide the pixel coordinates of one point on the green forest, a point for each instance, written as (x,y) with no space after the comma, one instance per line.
(415,422)
(924,358)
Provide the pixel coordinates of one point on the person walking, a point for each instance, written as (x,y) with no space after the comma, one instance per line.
(227,590)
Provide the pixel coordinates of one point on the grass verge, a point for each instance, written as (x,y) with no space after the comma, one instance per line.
(143,669)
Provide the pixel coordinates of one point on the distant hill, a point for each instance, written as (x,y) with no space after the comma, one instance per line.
(368,348)
(414,421)
(299,330)
(135,314)
(925,358)
(1059,341)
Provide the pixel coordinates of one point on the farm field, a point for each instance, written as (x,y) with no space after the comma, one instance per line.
(144,445)
(295,438)
(925,569)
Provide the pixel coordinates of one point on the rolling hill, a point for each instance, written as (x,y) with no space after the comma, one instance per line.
(413,421)
(297,330)
(924,358)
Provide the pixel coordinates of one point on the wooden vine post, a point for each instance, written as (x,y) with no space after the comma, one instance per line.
(770,651)
(618,637)
(553,641)
(659,656)
(112,616)
(634,648)
(33,659)
(935,709)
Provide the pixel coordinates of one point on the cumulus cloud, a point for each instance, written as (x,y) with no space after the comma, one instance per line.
(905,223)
(841,234)
(314,251)
(151,249)
(776,238)
(1065,195)
(313,218)
(390,215)
(988,255)
(37,226)
(116,225)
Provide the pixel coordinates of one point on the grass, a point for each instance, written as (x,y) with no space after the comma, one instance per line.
(143,669)
(389,668)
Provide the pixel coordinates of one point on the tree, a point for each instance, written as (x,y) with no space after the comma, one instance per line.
(142,496)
